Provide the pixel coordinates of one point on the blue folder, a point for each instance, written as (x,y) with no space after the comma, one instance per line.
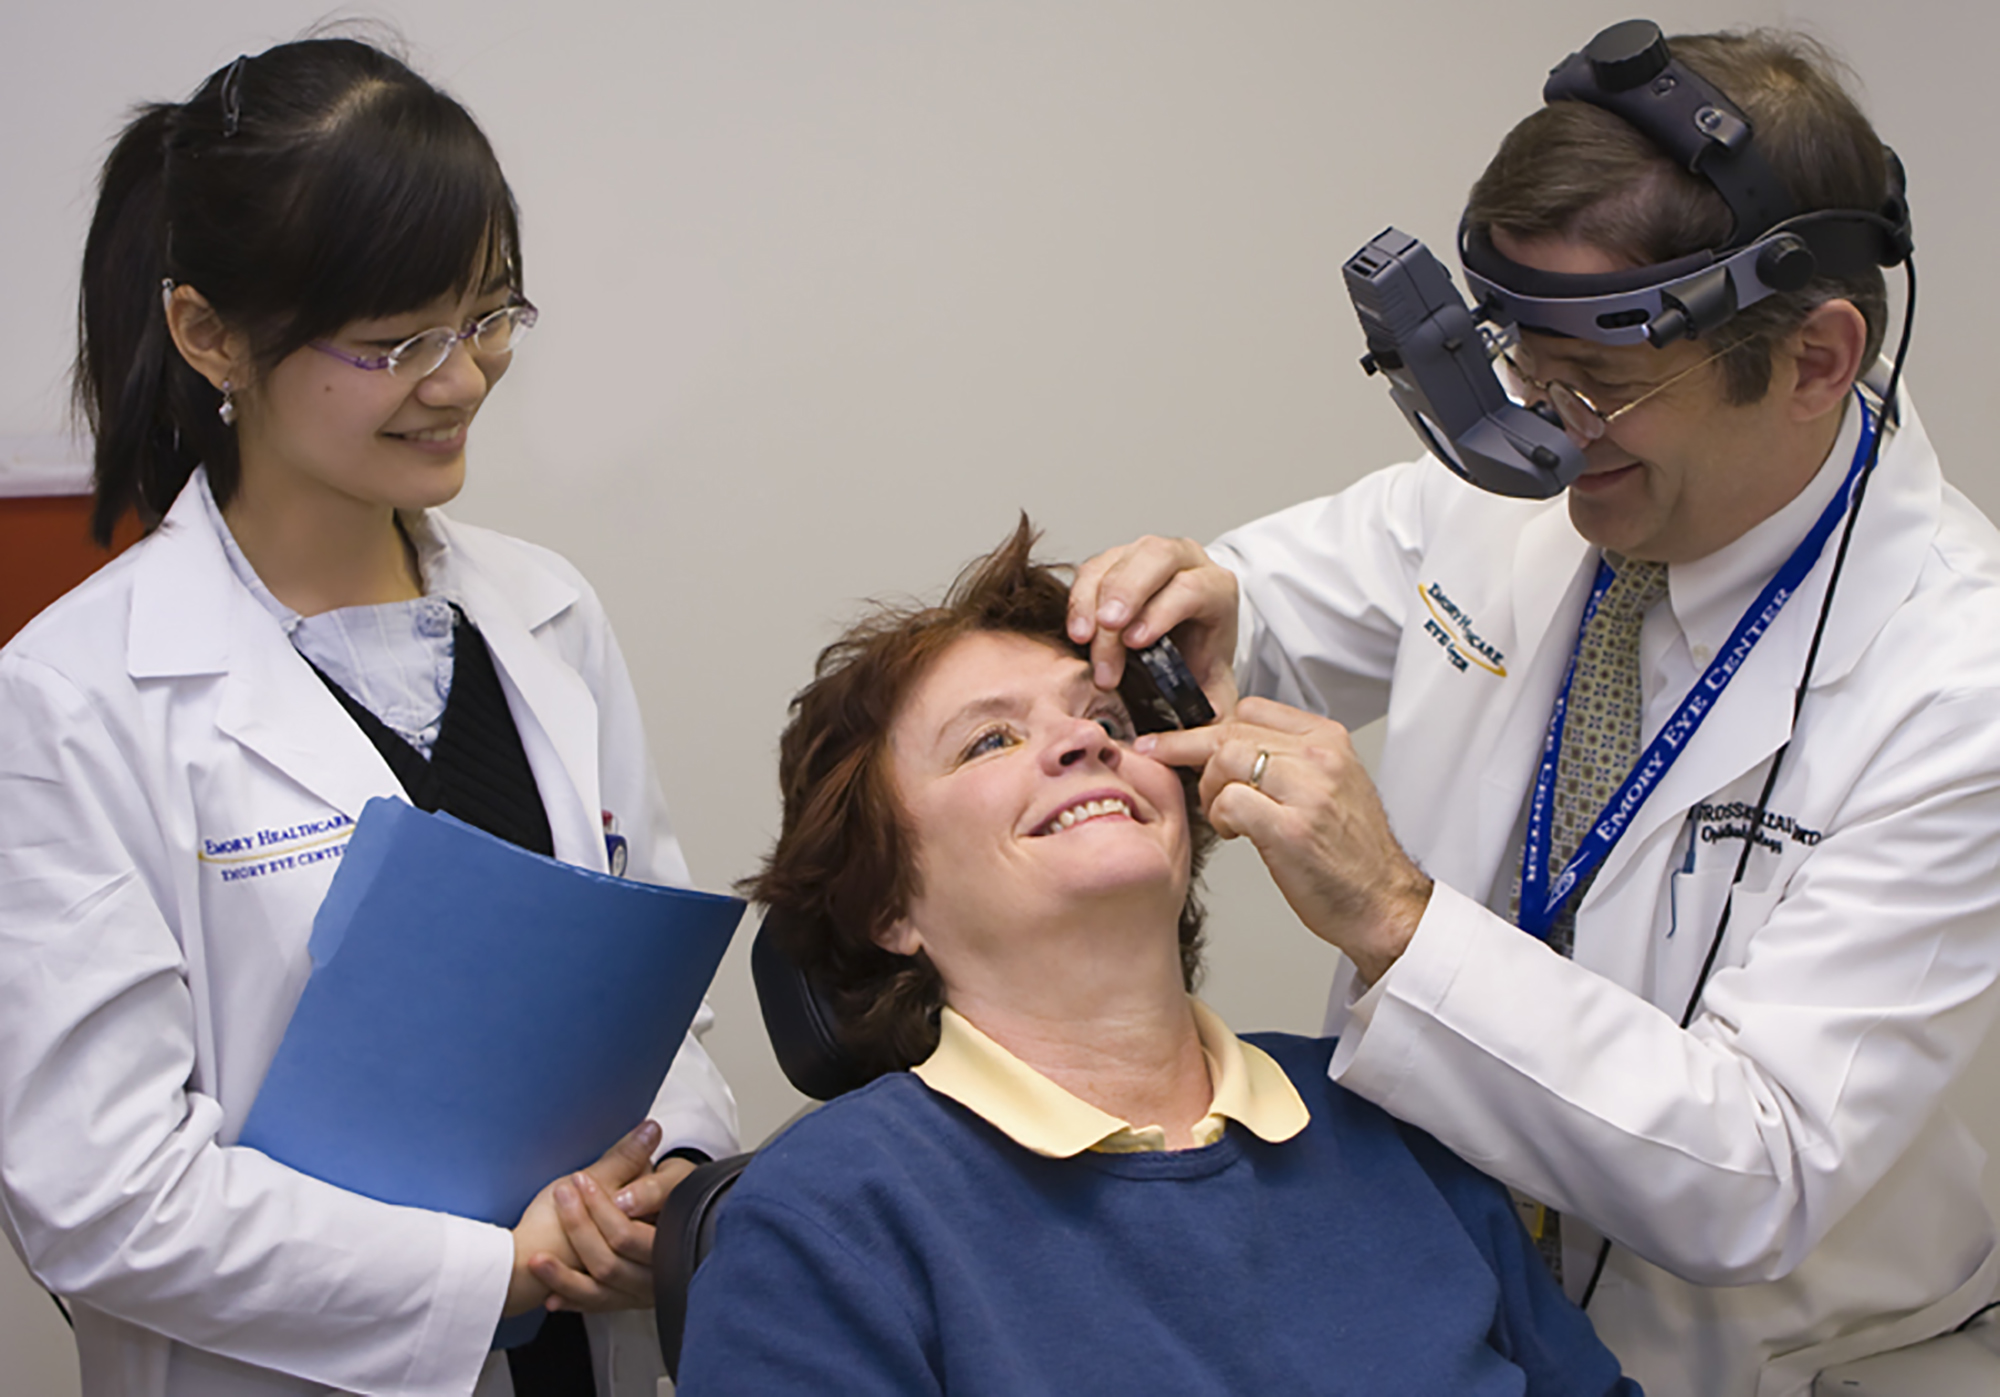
(479,1019)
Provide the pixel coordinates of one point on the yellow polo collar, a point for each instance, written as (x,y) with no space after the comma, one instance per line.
(1020,1102)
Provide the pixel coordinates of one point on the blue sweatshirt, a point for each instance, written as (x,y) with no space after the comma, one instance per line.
(894,1242)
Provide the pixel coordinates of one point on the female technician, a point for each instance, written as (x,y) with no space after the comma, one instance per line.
(298,289)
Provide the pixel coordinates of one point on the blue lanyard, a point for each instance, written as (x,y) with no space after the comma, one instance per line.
(1541,899)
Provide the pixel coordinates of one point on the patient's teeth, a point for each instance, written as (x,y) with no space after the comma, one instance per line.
(1089,810)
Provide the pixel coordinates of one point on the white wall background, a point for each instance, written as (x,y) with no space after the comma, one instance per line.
(832,288)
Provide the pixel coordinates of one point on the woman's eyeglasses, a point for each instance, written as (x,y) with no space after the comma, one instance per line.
(421,355)
(1585,418)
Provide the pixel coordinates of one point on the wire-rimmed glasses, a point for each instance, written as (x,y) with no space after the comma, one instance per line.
(1584,418)
(421,355)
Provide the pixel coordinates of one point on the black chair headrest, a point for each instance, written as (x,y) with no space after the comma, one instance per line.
(799,1018)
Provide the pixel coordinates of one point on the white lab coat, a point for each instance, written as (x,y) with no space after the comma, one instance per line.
(1783,1166)
(160,706)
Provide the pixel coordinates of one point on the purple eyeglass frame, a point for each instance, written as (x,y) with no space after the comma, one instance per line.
(523,308)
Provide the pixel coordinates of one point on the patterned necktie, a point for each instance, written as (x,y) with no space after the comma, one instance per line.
(1600,739)
(1600,742)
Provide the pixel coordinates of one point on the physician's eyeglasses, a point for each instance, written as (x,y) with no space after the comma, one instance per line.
(1586,419)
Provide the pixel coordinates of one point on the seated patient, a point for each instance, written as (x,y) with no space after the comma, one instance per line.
(1083,1182)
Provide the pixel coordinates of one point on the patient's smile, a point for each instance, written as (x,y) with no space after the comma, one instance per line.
(1074,815)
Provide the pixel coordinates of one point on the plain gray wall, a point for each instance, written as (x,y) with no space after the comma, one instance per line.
(833,288)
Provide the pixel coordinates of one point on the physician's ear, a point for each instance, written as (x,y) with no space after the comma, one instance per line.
(1826,354)
(213,350)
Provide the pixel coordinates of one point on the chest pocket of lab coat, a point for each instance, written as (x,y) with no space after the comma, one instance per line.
(1696,902)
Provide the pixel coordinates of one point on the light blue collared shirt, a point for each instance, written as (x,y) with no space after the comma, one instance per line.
(394,659)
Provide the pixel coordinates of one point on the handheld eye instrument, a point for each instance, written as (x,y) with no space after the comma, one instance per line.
(1164,684)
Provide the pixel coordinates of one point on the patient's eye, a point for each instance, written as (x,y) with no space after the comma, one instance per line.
(993,739)
(1116,722)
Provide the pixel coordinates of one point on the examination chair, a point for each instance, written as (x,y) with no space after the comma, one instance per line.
(800,1022)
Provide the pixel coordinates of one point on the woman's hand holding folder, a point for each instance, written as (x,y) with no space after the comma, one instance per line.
(576,1248)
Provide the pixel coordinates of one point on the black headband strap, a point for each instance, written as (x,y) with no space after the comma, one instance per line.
(1628,71)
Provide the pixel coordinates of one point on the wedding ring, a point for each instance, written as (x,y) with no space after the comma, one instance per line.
(1257,769)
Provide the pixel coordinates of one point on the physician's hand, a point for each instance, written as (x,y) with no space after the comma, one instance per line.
(1130,596)
(576,1248)
(1292,784)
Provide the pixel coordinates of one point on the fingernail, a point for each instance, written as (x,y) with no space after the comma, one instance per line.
(648,1133)
(1146,742)
(626,1202)
(1114,613)
(584,1183)
(1079,629)
(1137,634)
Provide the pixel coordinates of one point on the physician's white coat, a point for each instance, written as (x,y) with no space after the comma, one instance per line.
(152,718)
(1783,1166)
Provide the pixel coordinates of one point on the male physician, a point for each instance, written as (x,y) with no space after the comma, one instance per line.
(1760,1140)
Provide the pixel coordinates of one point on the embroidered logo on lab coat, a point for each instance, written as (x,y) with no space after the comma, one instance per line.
(276,849)
(1453,630)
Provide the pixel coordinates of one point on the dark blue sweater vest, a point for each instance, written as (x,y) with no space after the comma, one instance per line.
(894,1242)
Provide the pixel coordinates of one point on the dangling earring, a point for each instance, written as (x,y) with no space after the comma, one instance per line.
(227,412)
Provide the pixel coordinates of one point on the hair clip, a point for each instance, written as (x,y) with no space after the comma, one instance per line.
(232,96)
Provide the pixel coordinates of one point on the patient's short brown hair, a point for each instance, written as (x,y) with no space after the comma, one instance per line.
(844,864)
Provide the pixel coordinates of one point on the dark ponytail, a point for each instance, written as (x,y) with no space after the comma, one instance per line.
(125,359)
(317,183)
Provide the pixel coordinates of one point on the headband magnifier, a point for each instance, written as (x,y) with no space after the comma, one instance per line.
(1437,354)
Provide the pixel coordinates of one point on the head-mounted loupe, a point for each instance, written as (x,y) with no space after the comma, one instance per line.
(1439,365)
(1437,353)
